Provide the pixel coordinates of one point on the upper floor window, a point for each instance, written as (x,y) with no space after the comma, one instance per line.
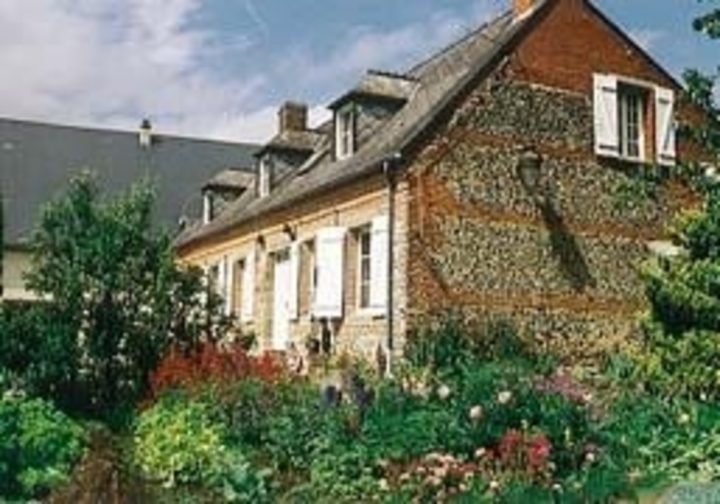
(208,207)
(631,121)
(622,107)
(265,176)
(345,132)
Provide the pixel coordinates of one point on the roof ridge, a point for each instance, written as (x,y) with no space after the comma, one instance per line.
(118,131)
(455,44)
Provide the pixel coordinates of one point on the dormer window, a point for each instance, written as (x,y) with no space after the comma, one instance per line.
(208,205)
(345,132)
(265,176)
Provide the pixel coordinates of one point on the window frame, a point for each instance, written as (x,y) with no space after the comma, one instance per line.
(364,258)
(265,176)
(627,93)
(345,132)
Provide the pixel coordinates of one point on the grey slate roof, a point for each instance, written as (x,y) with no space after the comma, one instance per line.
(439,79)
(36,160)
(295,140)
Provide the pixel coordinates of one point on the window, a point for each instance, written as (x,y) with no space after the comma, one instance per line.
(365,261)
(207,207)
(265,179)
(237,286)
(345,133)
(631,122)
(621,113)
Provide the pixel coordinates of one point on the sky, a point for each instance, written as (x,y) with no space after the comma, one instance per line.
(220,68)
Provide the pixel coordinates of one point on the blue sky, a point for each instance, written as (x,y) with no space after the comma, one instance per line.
(219,68)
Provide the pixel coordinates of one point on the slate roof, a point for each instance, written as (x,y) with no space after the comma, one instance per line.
(36,160)
(438,80)
(306,141)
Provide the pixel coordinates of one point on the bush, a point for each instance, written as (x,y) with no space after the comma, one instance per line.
(38,447)
(211,365)
(181,441)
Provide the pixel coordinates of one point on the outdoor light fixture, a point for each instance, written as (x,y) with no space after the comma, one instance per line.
(528,167)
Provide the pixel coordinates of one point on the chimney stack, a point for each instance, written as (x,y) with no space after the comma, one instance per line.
(522,7)
(145,134)
(293,116)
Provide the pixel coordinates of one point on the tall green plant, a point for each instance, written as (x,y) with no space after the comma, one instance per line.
(111,277)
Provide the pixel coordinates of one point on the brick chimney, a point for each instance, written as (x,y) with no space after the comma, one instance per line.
(522,7)
(292,116)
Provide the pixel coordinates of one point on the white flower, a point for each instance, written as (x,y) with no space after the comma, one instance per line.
(443,392)
(557,487)
(383,483)
(587,398)
(684,419)
(590,457)
(480,453)
(494,485)
(476,413)
(703,396)
(504,397)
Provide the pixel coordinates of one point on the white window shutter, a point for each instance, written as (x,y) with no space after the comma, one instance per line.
(293,309)
(228,294)
(220,280)
(665,125)
(605,100)
(330,255)
(379,243)
(248,288)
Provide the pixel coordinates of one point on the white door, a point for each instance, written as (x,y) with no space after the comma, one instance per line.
(281,296)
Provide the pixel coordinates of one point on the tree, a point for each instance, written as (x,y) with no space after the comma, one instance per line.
(112,278)
(682,332)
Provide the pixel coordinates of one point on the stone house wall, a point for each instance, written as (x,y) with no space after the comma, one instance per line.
(352,207)
(560,260)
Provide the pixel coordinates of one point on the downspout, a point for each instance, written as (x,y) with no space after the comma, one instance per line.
(389,165)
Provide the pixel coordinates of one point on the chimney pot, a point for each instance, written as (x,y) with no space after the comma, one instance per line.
(145,134)
(293,116)
(522,7)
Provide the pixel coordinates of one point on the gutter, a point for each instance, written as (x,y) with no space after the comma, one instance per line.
(389,167)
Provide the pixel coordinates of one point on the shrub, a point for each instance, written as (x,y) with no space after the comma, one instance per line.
(38,447)
(211,364)
(181,441)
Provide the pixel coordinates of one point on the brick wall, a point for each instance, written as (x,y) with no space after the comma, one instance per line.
(559,260)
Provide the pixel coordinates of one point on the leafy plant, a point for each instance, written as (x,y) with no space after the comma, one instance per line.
(181,441)
(38,447)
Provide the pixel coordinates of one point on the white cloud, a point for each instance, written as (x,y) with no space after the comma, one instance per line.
(647,38)
(369,47)
(113,62)
(110,62)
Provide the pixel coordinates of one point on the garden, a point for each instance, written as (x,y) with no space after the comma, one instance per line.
(94,409)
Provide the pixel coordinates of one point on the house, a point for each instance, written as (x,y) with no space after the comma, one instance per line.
(482,181)
(37,160)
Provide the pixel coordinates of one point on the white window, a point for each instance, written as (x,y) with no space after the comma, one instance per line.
(265,179)
(621,110)
(248,288)
(345,133)
(364,237)
(207,207)
(329,261)
(631,122)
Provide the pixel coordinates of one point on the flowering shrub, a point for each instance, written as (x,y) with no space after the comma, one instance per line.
(211,364)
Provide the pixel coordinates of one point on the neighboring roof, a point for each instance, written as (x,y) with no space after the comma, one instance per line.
(304,141)
(239,179)
(37,159)
(439,79)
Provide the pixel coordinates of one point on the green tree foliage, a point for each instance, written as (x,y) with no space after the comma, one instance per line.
(116,298)
(682,350)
